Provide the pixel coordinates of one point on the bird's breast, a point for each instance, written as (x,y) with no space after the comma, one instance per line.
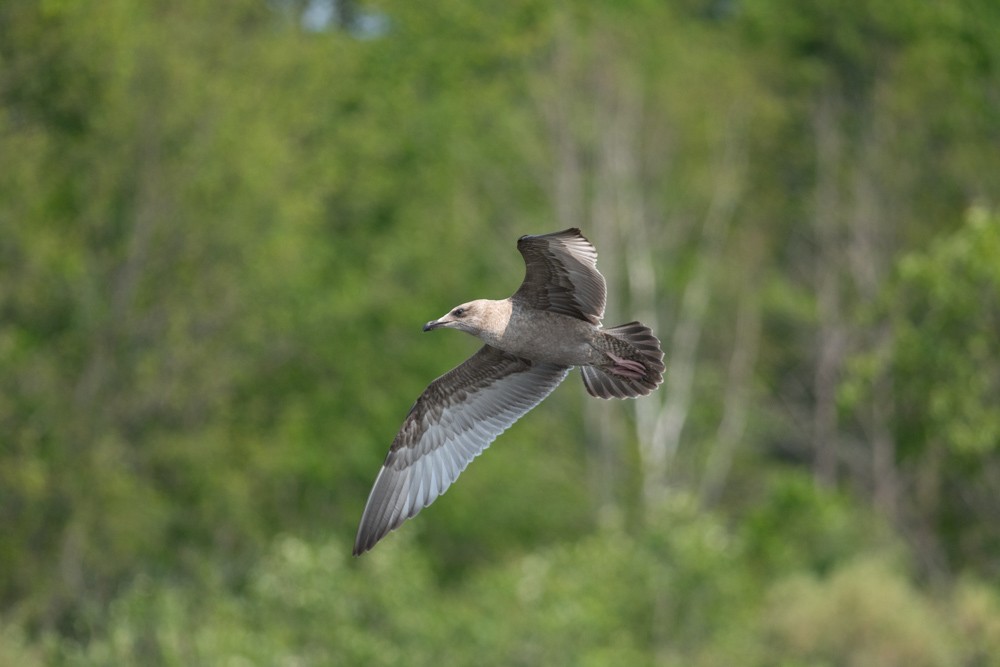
(549,337)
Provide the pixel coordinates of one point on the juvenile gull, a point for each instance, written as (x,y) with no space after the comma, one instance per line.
(532,339)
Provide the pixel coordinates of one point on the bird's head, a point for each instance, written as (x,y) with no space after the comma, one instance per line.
(468,317)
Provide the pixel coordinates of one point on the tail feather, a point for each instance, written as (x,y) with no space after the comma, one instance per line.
(634,342)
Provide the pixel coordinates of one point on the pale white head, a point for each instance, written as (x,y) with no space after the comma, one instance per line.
(471,317)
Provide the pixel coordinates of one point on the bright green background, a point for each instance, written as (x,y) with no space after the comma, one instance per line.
(221,228)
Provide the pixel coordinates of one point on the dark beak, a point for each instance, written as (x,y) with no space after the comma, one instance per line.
(433,324)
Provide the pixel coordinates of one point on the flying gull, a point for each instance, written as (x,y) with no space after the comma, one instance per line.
(532,339)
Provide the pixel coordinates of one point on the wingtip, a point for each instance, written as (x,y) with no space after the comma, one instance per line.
(365,541)
(369,535)
(359,546)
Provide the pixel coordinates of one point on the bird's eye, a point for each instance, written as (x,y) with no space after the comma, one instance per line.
(458,312)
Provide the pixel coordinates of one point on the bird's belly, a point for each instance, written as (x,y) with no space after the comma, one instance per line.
(550,338)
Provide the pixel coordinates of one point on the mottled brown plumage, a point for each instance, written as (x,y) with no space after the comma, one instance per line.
(531,339)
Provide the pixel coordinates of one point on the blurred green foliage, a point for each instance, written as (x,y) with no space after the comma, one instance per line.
(222,225)
(681,595)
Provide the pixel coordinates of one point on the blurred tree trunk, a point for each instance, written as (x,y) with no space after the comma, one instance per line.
(869,248)
(624,230)
(631,243)
(562,106)
(661,417)
(736,401)
(827,213)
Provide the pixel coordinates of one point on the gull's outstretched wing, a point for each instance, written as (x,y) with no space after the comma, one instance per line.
(561,275)
(451,423)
